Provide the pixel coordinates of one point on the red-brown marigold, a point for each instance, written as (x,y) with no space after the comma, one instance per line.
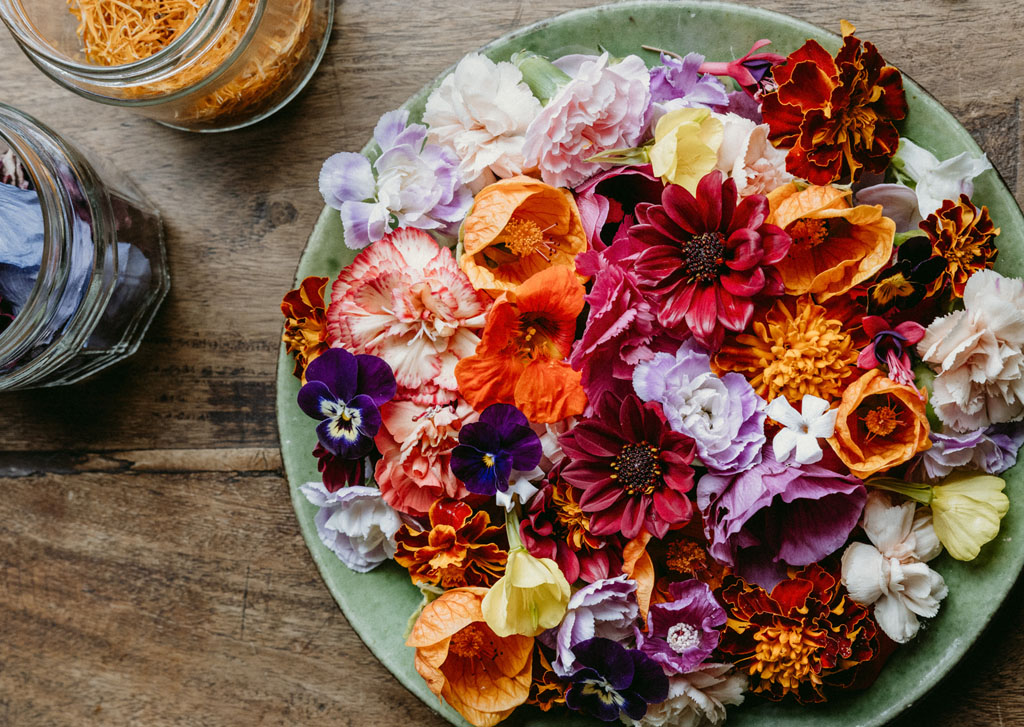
(965,236)
(460,549)
(305,326)
(836,114)
(805,634)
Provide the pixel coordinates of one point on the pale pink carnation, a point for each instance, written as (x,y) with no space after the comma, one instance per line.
(416,443)
(749,158)
(405,300)
(977,354)
(602,107)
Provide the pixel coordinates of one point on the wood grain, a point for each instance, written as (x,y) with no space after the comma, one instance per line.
(151,570)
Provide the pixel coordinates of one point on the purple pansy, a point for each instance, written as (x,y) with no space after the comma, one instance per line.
(992,450)
(411,184)
(614,681)
(683,632)
(605,608)
(490,448)
(344,392)
(723,415)
(680,81)
(774,515)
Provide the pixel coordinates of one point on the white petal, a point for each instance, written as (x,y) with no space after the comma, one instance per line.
(865,573)
(784,444)
(896,620)
(808,451)
(783,412)
(812,407)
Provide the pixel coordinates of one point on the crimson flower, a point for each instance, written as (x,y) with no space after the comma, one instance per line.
(705,258)
(634,471)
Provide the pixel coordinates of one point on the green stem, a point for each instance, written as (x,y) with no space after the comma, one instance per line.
(512,528)
(542,76)
(918,493)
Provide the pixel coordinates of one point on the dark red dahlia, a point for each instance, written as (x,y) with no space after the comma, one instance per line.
(705,258)
(634,471)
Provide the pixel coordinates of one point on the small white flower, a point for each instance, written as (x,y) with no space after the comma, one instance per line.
(355,523)
(801,429)
(892,573)
(697,699)
(938,181)
(520,486)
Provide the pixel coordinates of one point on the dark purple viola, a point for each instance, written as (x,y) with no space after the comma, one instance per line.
(490,448)
(613,680)
(683,632)
(906,282)
(344,392)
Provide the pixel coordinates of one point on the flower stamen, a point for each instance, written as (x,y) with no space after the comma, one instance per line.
(637,468)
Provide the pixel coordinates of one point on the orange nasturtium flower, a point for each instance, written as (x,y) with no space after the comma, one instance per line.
(518,227)
(521,356)
(835,246)
(460,549)
(483,676)
(305,326)
(880,424)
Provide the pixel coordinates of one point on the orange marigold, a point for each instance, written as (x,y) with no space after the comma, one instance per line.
(483,676)
(305,326)
(547,690)
(460,549)
(880,424)
(836,115)
(835,246)
(797,347)
(965,237)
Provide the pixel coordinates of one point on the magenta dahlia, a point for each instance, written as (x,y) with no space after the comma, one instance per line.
(633,470)
(707,257)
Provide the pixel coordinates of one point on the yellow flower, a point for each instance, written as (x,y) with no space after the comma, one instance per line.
(966,510)
(685,146)
(531,597)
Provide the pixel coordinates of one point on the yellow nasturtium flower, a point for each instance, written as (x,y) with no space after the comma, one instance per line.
(531,597)
(686,143)
(966,510)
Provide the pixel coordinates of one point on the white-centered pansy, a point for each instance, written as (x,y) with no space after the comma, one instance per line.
(481,112)
(938,181)
(802,429)
(892,572)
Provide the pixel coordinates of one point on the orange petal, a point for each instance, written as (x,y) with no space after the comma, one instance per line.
(637,564)
(789,203)
(555,293)
(549,391)
(453,611)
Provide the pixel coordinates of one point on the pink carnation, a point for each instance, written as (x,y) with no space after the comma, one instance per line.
(416,444)
(405,300)
(601,107)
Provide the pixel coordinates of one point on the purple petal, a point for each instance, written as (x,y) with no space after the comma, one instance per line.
(364,222)
(311,398)
(504,418)
(337,368)
(346,177)
(376,379)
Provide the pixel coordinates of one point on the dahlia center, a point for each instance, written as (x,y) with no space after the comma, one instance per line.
(524,237)
(704,255)
(808,232)
(470,643)
(683,637)
(686,557)
(637,468)
(786,655)
(881,421)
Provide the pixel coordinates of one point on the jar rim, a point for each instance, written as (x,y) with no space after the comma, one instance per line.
(189,44)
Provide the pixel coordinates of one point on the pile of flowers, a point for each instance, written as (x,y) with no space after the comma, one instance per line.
(667,386)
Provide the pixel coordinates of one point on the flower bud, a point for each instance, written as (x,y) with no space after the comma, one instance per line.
(966,510)
(685,147)
(531,597)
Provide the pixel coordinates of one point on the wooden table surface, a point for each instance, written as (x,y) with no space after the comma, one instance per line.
(151,568)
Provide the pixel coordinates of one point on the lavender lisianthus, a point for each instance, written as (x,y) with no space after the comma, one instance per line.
(605,608)
(679,80)
(682,633)
(991,450)
(774,515)
(724,415)
(411,184)
(355,523)
(612,681)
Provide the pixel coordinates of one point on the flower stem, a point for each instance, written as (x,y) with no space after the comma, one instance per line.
(916,492)
(512,527)
(662,51)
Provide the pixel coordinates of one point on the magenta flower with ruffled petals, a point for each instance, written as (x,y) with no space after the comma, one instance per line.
(706,257)
(634,471)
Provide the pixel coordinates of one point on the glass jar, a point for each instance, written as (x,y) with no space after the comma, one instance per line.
(102,270)
(236,63)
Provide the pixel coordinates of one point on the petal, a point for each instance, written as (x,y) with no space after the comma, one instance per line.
(504,418)
(375,379)
(346,177)
(337,368)
(311,396)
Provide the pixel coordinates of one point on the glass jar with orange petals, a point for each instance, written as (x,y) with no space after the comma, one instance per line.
(197,65)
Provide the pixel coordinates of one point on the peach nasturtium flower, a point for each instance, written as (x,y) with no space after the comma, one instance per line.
(483,676)
(880,424)
(835,246)
(516,228)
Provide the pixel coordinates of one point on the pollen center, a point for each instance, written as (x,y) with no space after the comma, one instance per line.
(469,643)
(637,468)
(522,237)
(808,232)
(704,256)
(682,637)
(881,421)
(891,288)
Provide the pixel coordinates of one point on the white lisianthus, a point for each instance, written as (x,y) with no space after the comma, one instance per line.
(892,573)
(802,429)
(697,699)
(938,181)
(481,112)
(749,158)
(355,523)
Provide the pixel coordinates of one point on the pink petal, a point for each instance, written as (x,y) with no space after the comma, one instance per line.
(734,313)
(744,284)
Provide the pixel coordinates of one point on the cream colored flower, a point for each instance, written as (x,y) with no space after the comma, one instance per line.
(966,509)
(749,158)
(531,597)
(686,143)
(891,573)
(697,699)
(978,355)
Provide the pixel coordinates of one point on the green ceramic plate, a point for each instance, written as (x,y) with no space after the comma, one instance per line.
(378,604)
